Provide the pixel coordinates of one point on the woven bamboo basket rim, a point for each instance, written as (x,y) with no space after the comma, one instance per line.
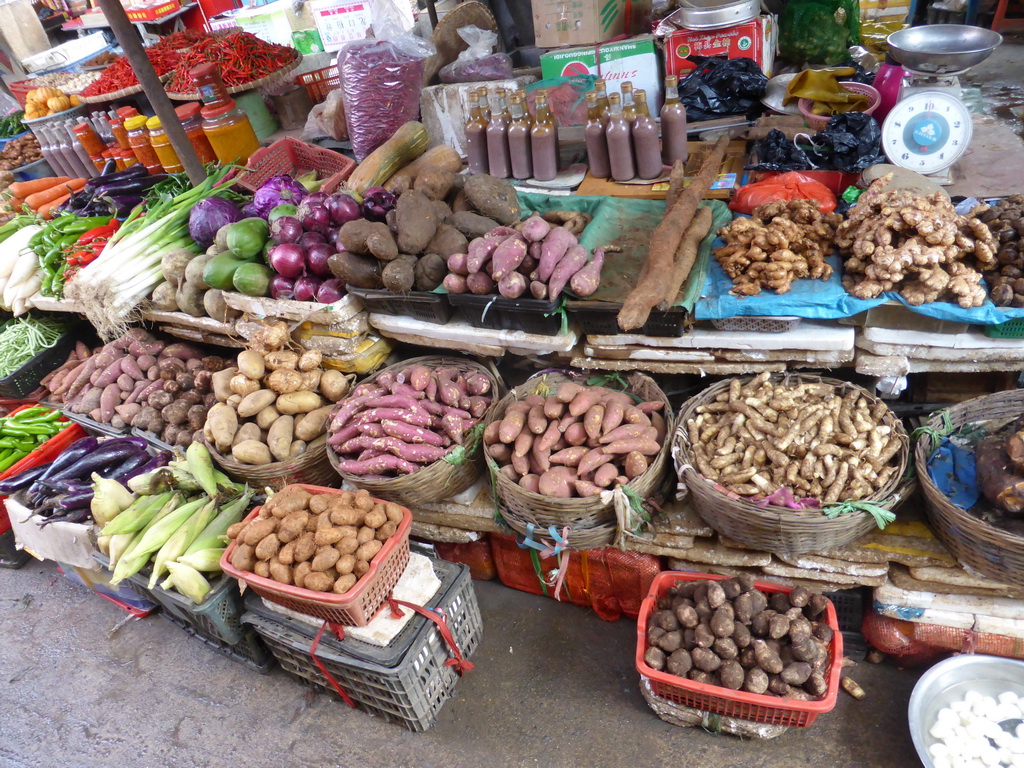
(440,476)
(250,86)
(580,536)
(888,495)
(1001,406)
(277,471)
(130,91)
(562,512)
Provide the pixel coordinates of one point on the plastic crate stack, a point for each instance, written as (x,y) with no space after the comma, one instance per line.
(406,682)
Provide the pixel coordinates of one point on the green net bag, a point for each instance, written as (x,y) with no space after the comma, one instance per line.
(819,31)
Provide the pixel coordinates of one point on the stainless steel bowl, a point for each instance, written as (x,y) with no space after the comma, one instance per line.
(942,49)
(716,14)
(949,681)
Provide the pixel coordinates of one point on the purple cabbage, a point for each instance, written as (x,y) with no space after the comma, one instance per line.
(208,216)
(275,191)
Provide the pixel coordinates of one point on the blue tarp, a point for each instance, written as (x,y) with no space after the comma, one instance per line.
(953,469)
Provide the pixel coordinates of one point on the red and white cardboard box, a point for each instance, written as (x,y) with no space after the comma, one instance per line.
(756,39)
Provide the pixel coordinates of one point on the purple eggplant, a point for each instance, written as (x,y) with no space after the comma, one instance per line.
(123,467)
(111,451)
(72,454)
(22,479)
(155,462)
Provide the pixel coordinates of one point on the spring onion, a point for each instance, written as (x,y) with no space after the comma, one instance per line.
(24,338)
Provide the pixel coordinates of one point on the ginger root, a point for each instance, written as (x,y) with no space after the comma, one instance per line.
(782,242)
(920,246)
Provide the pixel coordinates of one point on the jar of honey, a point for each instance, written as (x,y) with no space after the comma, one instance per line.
(138,138)
(230,133)
(192,122)
(161,144)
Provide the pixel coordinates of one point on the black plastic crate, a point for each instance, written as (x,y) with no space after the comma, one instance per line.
(419,305)
(26,379)
(10,555)
(410,692)
(249,650)
(849,605)
(598,318)
(500,314)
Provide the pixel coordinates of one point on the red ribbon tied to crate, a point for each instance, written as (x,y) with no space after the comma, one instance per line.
(339,632)
(458,661)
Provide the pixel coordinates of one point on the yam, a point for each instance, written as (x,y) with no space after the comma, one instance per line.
(494,198)
(362,271)
(447,242)
(471,224)
(364,237)
(429,271)
(399,276)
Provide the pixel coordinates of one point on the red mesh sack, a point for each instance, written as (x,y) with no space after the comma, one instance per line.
(897,638)
(968,641)
(476,554)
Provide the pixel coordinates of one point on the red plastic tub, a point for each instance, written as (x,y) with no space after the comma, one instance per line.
(355,608)
(44,454)
(295,158)
(724,701)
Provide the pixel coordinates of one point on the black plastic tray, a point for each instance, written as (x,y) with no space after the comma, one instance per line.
(26,379)
(419,305)
(499,313)
(598,318)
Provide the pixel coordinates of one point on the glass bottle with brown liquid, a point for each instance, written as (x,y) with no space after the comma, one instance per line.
(628,102)
(597,144)
(619,136)
(673,124)
(476,137)
(497,137)
(601,91)
(520,153)
(645,141)
(544,140)
(485,104)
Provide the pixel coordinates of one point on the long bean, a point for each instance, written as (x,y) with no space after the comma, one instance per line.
(24,338)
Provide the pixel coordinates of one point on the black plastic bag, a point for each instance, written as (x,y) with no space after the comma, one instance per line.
(722,87)
(850,142)
(775,152)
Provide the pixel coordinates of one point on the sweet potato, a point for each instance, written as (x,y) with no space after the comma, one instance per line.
(576,434)
(557,483)
(512,285)
(605,475)
(410,433)
(480,283)
(457,263)
(593,459)
(507,256)
(638,444)
(511,426)
(378,465)
(538,289)
(454,283)
(571,263)
(535,229)
(587,280)
(481,251)
(555,246)
(635,464)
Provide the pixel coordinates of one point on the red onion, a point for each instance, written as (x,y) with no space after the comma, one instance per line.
(314,218)
(286,229)
(306,288)
(282,288)
(316,259)
(317,198)
(343,209)
(310,239)
(288,259)
(330,291)
(377,201)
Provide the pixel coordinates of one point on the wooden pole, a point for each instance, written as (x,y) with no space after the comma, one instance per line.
(128,37)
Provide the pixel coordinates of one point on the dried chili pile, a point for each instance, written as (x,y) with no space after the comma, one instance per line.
(178,41)
(241,56)
(120,74)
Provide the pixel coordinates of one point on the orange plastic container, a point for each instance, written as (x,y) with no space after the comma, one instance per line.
(320,82)
(295,158)
(44,454)
(355,608)
(724,701)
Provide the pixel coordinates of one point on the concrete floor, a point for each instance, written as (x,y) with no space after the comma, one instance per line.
(554,686)
(999,79)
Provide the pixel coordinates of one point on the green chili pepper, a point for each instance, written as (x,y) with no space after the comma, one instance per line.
(10,461)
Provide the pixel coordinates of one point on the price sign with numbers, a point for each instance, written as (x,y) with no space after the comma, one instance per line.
(340,22)
(927,131)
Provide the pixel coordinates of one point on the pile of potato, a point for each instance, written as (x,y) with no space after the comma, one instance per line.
(274,403)
(401,422)
(576,442)
(729,633)
(759,437)
(322,542)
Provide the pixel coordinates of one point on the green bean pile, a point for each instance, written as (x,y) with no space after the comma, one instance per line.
(25,337)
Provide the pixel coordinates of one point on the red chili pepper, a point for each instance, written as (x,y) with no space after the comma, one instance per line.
(104,230)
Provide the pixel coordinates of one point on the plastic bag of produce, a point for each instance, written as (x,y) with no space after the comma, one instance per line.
(567,98)
(782,186)
(480,61)
(819,31)
(381,79)
(850,142)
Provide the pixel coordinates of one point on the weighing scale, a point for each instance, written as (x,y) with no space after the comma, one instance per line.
(930,128)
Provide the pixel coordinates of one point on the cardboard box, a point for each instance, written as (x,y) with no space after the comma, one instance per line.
(756,39)
(71,543)
(580,22)
(635,60)
(444,109)
(340,21)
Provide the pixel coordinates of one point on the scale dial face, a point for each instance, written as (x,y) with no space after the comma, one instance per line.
(927,131)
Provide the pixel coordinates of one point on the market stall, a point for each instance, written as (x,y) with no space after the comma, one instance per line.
(255,365)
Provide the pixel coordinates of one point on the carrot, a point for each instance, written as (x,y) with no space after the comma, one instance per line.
(26,188)
(16,203)
(39,199)
(46,209)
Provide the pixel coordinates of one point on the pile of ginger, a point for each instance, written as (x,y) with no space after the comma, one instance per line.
(781,242)
(899,240)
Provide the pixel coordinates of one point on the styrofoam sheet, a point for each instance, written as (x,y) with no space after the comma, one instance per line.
(518,342)
(900,365)
(976,622)
(952,354)
(999,607)
(832,357)
(820,336)
(969,340)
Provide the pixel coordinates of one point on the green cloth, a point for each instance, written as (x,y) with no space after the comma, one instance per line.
(628,223)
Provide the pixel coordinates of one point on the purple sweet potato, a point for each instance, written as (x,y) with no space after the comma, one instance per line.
(479,283)
(556,244)
(586,281)
(409,433)
(457,264)
(454,283)
(569,265)
(535,229)
(420,454)
(378,465)
(508,256)
(539,290)
(512,285)
(109,399)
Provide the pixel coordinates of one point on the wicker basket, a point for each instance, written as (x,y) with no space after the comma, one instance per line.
(995,553)
(781,529)
(309,468)
(435,482)
(591,521)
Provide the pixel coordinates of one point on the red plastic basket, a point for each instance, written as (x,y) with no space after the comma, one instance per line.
(21,89)
(44,454)
(355,608)
(295,157)
(320,82)
(724,701)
